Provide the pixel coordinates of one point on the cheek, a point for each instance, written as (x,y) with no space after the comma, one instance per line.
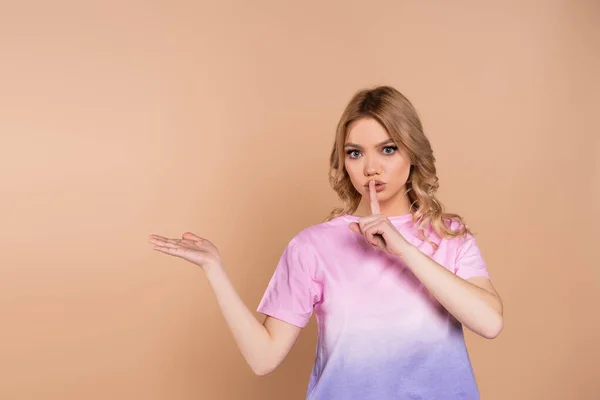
(401,169)
(350,169)
(354,173)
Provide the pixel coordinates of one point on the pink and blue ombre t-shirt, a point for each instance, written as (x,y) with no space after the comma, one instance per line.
(381,334)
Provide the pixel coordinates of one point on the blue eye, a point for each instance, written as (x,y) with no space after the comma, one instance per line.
(349,152)
(394,148)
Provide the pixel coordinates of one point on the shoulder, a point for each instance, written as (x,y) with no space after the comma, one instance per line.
(314,234)
(454,225)
(464,244)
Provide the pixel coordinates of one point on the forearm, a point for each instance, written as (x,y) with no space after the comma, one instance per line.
(476,308)
(251,336)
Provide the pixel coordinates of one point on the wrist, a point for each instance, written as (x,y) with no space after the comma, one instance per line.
(405,251)
(213,269)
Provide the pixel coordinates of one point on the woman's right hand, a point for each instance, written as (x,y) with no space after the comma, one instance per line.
(264,346)
(190,247)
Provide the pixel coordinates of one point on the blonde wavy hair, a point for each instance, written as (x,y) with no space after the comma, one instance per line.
(398,116)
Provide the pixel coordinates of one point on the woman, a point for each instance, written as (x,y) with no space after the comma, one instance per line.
(390,277)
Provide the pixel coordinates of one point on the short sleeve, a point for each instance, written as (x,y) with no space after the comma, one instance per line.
(469,261)
(292,292)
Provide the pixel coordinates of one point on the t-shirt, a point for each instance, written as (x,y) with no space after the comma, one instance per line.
(381,334)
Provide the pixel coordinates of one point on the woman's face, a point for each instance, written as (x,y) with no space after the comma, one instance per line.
(370,153)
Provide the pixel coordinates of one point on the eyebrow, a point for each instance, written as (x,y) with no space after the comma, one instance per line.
(360,147)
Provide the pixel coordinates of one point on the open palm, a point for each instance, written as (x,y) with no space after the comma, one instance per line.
(190,247)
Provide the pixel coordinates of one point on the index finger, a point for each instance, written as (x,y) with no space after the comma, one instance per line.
(373,197)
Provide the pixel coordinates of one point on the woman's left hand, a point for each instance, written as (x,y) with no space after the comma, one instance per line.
(378,230)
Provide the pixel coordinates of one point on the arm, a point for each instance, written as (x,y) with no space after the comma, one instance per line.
(264,346)
(473,302)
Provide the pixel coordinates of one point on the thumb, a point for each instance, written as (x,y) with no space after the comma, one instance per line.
(191,236)
(354,227)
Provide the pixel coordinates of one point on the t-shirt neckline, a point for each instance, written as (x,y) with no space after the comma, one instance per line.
(393,218)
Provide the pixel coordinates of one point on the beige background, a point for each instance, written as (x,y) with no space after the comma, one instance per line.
(121,119)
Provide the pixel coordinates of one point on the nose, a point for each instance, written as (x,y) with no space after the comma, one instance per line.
(372,166)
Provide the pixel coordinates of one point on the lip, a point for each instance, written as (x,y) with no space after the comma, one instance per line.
(379,188)
(377,183)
